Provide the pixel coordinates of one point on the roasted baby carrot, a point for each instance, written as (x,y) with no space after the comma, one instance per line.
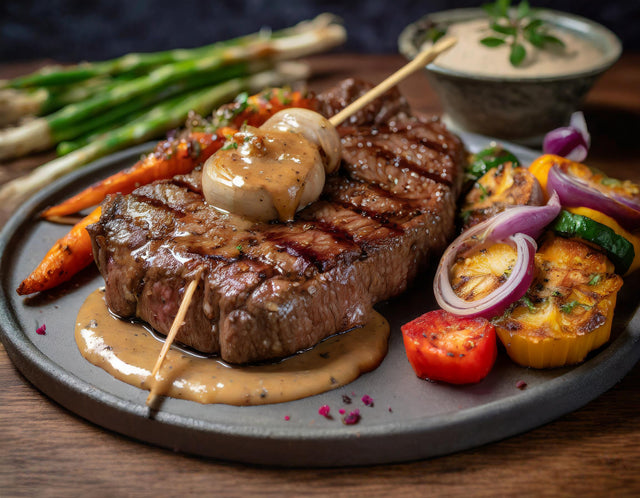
(169,159)
(67,257)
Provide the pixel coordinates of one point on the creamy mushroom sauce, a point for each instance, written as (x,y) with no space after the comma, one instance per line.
(128,351)
(470,56)
(264,175)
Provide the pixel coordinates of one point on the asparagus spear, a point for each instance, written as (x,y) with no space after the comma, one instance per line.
(67,123)
(168,114)
(67,146)
(143,62)
(77,119)
(16,104)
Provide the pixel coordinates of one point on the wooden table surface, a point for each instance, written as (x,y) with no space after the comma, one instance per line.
(46,450)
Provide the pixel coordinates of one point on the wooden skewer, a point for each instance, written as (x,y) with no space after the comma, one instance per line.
(175,326)
(421,60)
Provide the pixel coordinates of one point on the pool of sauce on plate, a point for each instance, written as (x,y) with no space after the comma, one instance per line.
(128,351)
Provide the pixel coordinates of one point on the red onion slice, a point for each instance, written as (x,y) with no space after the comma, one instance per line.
(570,141)
(574,192)
(530,220)
(517,225)
(497,301)
(632,202)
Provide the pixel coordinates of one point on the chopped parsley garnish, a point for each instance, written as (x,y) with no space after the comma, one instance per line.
(610,182)
(484,191)
(527,302)
(464,215)
(230,145)
(243,101)
(568,308)
(595,279)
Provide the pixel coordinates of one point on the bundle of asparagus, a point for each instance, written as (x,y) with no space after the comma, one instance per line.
(93,109)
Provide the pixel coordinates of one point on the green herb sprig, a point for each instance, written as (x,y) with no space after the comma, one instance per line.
(514,25)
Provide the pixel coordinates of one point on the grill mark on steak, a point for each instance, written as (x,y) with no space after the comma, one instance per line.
(320,247)
(158,203)
(362,230)
(381,218)
(268,290)
(408,154)
(187,182)
(374,201)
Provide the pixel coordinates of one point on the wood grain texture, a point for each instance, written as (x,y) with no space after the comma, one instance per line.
(46,450)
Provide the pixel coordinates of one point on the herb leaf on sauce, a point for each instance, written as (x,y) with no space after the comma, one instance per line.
(514,26)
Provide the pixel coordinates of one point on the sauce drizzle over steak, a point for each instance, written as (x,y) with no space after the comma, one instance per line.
(268,290)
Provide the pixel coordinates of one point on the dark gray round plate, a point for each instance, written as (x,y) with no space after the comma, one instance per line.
(410,419)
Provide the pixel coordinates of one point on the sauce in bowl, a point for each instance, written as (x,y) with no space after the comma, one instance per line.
(470,56)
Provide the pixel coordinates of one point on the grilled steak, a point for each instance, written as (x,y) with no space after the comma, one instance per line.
(268,290)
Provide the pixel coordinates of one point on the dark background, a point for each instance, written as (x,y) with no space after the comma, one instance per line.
(73,30)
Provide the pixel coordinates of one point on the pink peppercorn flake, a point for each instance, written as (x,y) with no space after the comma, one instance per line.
(342,411)
(287,418)
(367,400)
(324,411)
(42,330)
(521,384)
(352,418)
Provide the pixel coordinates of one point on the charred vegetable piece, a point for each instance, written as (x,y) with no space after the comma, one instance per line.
(619,250)
(501,187)
(567,311)
(489,158)
(67,257)
(448,348)
(482,272)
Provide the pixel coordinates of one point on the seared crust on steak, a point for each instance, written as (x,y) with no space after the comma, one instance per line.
(268,290)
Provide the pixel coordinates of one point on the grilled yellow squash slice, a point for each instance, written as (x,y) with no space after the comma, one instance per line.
(568,309)
(498,189)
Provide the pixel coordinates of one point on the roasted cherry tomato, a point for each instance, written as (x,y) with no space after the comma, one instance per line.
(449,348)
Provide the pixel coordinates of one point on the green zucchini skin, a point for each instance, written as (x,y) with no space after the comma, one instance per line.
(619,250)
(489,158)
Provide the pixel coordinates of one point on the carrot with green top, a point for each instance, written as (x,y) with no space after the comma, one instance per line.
(67,257)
